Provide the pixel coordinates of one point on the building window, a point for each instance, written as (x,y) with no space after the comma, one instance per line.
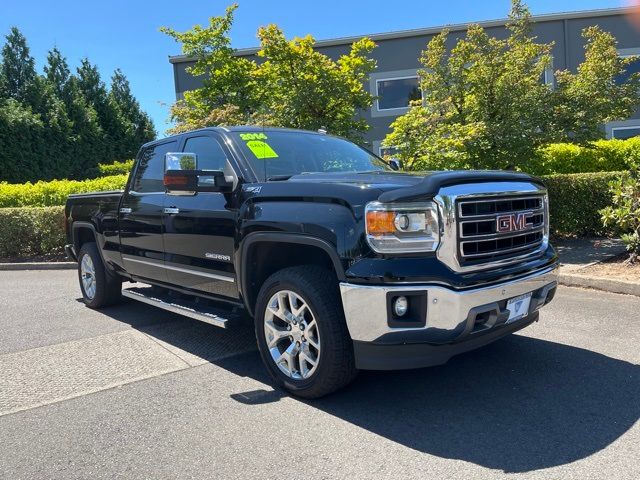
(387,152)
(633,67)
(622,133)
(548,76)
(394,93)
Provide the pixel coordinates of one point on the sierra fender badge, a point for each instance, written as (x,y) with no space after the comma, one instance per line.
(218,256)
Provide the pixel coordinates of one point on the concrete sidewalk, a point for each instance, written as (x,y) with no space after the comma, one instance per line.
(577,254)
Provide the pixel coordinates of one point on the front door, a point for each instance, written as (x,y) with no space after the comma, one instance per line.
(199,230)
(141,215)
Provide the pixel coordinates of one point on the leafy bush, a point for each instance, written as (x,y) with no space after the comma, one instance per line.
(624,214)
(448,152)
(575,201)
(115,168)
(44,194)
(28,232)
(600,156)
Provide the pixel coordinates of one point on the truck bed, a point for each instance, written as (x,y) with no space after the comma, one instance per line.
(93,207)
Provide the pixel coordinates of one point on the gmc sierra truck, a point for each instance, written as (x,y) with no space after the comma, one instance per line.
(343,262)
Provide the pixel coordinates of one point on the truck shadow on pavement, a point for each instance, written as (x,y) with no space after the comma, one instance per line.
(517,405)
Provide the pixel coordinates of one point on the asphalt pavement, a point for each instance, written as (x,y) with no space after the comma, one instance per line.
(134,392)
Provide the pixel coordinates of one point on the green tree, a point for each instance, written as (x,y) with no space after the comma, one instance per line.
(485,105)
(228,94)
(21,145)
(136,126)
(594,95)
(28,107)
(80,139)
(303,88)
(87,138)
(291,86)
(57,71)
(96,95)
(18,72)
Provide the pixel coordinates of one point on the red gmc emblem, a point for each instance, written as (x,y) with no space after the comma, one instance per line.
(514,222)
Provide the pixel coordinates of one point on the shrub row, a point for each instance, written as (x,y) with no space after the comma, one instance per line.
(33,231)
(115,168)
(600,156)
(55,192)
(574,202)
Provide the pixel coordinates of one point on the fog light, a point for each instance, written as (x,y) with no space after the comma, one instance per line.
(400,306)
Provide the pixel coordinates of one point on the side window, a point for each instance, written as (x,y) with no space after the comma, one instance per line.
(150,169)
(210,154)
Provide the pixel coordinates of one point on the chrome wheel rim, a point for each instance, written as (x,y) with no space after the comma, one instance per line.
(292,335)
(88,277)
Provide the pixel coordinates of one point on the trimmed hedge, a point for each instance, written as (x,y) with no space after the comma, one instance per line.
(599,156)
(115,168)
(55,192)
(27,232)
(575,201)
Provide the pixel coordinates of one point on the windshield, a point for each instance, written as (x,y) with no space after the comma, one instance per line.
(276,154)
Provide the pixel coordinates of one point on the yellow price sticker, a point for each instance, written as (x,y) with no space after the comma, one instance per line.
(262,150)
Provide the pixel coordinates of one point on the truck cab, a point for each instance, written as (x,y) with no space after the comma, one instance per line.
(342,262)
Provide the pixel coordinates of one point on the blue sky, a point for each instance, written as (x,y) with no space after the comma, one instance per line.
(124,34)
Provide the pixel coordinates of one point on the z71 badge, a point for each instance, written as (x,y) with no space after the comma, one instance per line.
(252,189)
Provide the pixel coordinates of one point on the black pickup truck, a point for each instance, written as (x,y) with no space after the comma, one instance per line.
(343,262)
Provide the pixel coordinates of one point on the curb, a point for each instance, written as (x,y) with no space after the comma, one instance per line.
(39,266)
(566,279)
(599,283)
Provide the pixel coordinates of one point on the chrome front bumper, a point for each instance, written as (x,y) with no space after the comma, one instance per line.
(451,316)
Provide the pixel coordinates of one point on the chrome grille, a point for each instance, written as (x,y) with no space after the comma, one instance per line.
(497,228)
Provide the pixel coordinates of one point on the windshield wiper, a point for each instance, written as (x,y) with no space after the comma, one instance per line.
(279,178)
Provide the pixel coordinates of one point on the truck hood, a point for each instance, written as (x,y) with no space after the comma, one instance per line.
(400,186)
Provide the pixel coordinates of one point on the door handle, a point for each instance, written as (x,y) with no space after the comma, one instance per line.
(125,210)
(171,210)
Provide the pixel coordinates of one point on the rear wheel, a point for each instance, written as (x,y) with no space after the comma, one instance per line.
(301,332)
(99,287)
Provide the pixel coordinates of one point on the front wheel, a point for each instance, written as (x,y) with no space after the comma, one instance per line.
(99,287)
(301,332)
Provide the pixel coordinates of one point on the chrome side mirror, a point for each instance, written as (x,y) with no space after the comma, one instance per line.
(180,161)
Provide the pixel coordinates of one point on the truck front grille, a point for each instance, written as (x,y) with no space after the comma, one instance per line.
(494,228)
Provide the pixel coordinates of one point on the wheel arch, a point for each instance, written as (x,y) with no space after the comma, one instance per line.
(300,250)
(84,232)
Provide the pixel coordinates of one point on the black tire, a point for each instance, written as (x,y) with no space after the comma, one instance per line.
(319,289)
(108,287)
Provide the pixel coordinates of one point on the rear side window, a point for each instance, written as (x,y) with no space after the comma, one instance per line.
(210,154)
(150,170)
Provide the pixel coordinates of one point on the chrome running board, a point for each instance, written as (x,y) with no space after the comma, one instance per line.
(186,308)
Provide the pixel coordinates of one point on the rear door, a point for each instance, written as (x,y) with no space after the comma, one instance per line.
(141,215)
(199,230)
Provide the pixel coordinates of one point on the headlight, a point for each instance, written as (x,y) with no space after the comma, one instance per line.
(402,227)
